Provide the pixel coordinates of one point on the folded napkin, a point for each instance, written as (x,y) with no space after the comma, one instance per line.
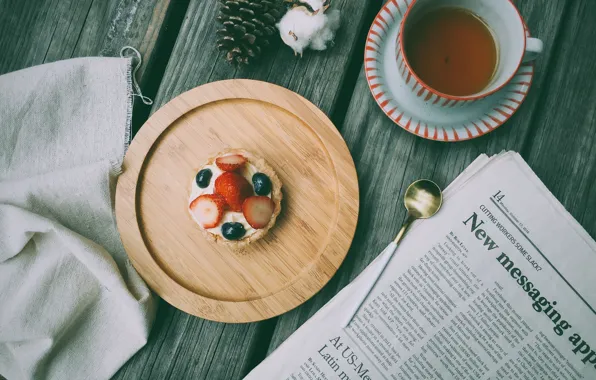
(71,305)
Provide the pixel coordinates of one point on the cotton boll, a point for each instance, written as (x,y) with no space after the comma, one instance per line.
(300,29)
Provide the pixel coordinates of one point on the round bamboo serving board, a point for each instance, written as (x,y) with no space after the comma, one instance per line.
(301,252)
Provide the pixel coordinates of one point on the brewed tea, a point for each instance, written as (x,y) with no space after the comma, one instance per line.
(452,51)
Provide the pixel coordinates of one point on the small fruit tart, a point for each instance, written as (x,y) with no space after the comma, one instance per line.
(235,198)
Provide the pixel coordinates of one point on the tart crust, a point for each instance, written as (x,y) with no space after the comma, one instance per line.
(276,196)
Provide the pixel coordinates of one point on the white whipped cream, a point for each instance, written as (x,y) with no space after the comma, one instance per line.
(229,216)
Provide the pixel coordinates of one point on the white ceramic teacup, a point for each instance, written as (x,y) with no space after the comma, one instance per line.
(514,46)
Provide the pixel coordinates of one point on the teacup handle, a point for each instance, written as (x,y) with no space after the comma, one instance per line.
(534,48)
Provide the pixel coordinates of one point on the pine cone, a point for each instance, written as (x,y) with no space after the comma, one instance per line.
(247,28)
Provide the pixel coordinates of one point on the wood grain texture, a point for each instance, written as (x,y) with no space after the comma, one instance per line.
(33,32)
(319,77)
(299,255)
(36,32)
(389,158)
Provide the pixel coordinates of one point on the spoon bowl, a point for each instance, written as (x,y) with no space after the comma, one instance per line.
(423,199)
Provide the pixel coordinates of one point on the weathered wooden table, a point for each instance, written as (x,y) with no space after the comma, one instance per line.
(555,131)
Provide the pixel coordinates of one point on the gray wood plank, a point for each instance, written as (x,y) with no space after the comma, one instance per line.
(183,346)
(317,75)
(27,29)
(388,159)
(35,32)
(562,147)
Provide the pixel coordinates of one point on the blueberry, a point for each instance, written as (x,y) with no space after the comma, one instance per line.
(203,178)
(233,231)
(262,184)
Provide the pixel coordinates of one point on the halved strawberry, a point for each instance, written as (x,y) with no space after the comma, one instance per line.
(208,209)
(234,188)
(258,211)
(230,163)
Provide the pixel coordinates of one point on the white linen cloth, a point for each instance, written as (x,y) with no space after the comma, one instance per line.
(71,304)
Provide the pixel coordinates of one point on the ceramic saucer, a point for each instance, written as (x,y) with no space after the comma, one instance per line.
(421,117)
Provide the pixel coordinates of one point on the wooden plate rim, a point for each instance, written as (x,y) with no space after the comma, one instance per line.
(320,271)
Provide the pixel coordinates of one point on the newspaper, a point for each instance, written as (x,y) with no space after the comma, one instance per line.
(498,285)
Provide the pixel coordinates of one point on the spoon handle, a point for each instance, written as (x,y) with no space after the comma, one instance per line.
(387,254)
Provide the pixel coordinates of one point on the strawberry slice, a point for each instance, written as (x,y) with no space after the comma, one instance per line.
(208,209)
(234,188)
(258,211)
(230,163)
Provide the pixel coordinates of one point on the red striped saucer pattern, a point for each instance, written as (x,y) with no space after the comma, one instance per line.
(507,100)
